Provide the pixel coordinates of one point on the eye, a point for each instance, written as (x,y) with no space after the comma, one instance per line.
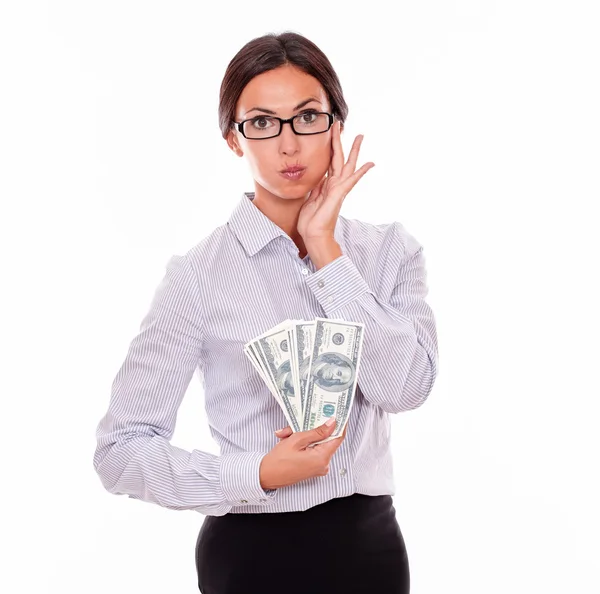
(261,122)
(310,116)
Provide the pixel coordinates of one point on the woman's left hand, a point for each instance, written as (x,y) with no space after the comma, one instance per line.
(318,215)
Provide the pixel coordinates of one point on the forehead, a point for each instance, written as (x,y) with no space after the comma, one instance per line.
(281,90)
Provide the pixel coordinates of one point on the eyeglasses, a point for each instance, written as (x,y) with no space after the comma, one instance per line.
(308,122)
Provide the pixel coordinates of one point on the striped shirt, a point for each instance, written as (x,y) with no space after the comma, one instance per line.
(242,279)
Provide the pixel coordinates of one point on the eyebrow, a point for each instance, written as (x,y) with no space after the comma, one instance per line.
(299,106)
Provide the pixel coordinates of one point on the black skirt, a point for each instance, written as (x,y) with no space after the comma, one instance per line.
(350,545)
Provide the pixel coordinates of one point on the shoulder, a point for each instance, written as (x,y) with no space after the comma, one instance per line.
(204,254)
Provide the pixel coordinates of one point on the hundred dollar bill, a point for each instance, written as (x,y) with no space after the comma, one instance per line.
(275,348)
(303,338)
(256,357)
(333,373)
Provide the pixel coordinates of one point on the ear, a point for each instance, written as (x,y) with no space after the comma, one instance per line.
(233,144)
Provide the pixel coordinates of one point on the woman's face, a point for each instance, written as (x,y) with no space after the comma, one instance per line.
(281,91)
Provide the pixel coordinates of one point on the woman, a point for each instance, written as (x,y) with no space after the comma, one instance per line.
(281,516)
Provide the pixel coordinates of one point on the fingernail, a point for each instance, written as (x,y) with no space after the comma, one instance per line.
(279,430)
(330,421)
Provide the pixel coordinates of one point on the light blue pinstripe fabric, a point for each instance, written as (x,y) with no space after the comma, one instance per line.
(242,279)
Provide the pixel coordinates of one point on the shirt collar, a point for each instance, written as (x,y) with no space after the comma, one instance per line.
(255,230)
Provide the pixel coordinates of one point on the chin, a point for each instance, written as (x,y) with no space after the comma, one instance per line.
(292,193)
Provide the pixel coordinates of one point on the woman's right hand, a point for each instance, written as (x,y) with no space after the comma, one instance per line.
(292,461)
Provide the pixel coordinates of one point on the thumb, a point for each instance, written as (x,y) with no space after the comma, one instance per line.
(316,191)
(283,433)
(317,434)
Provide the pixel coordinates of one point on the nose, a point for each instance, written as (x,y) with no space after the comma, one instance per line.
(288,141)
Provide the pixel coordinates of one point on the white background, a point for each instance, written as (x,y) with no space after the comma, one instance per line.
(483,120)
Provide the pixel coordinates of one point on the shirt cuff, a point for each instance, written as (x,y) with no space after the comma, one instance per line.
(337,284)
(240,479)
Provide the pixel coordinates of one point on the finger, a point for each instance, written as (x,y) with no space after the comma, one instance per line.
(351,181)
(341,437)
(329,447)
(350,166)
(283,433)
(337,161)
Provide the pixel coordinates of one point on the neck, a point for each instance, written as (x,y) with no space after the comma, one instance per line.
(284,212)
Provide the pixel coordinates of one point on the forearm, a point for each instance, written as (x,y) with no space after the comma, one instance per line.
(153,470)
(399,358)
(323,251)
(398,362)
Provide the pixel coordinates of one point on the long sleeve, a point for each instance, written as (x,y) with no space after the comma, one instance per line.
(134,455)
(399,359)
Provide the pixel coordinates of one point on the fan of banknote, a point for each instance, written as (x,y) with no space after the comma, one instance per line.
(311,368)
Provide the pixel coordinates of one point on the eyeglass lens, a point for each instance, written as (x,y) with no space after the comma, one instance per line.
(305,123)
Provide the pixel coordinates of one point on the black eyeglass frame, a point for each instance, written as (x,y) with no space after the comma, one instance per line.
(290,121)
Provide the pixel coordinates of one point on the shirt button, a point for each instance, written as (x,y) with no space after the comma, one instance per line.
(321,284)
(330,299)
(244,501)
(343,471)
(305,271)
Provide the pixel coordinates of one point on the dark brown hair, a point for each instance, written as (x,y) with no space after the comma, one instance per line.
(272,51)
